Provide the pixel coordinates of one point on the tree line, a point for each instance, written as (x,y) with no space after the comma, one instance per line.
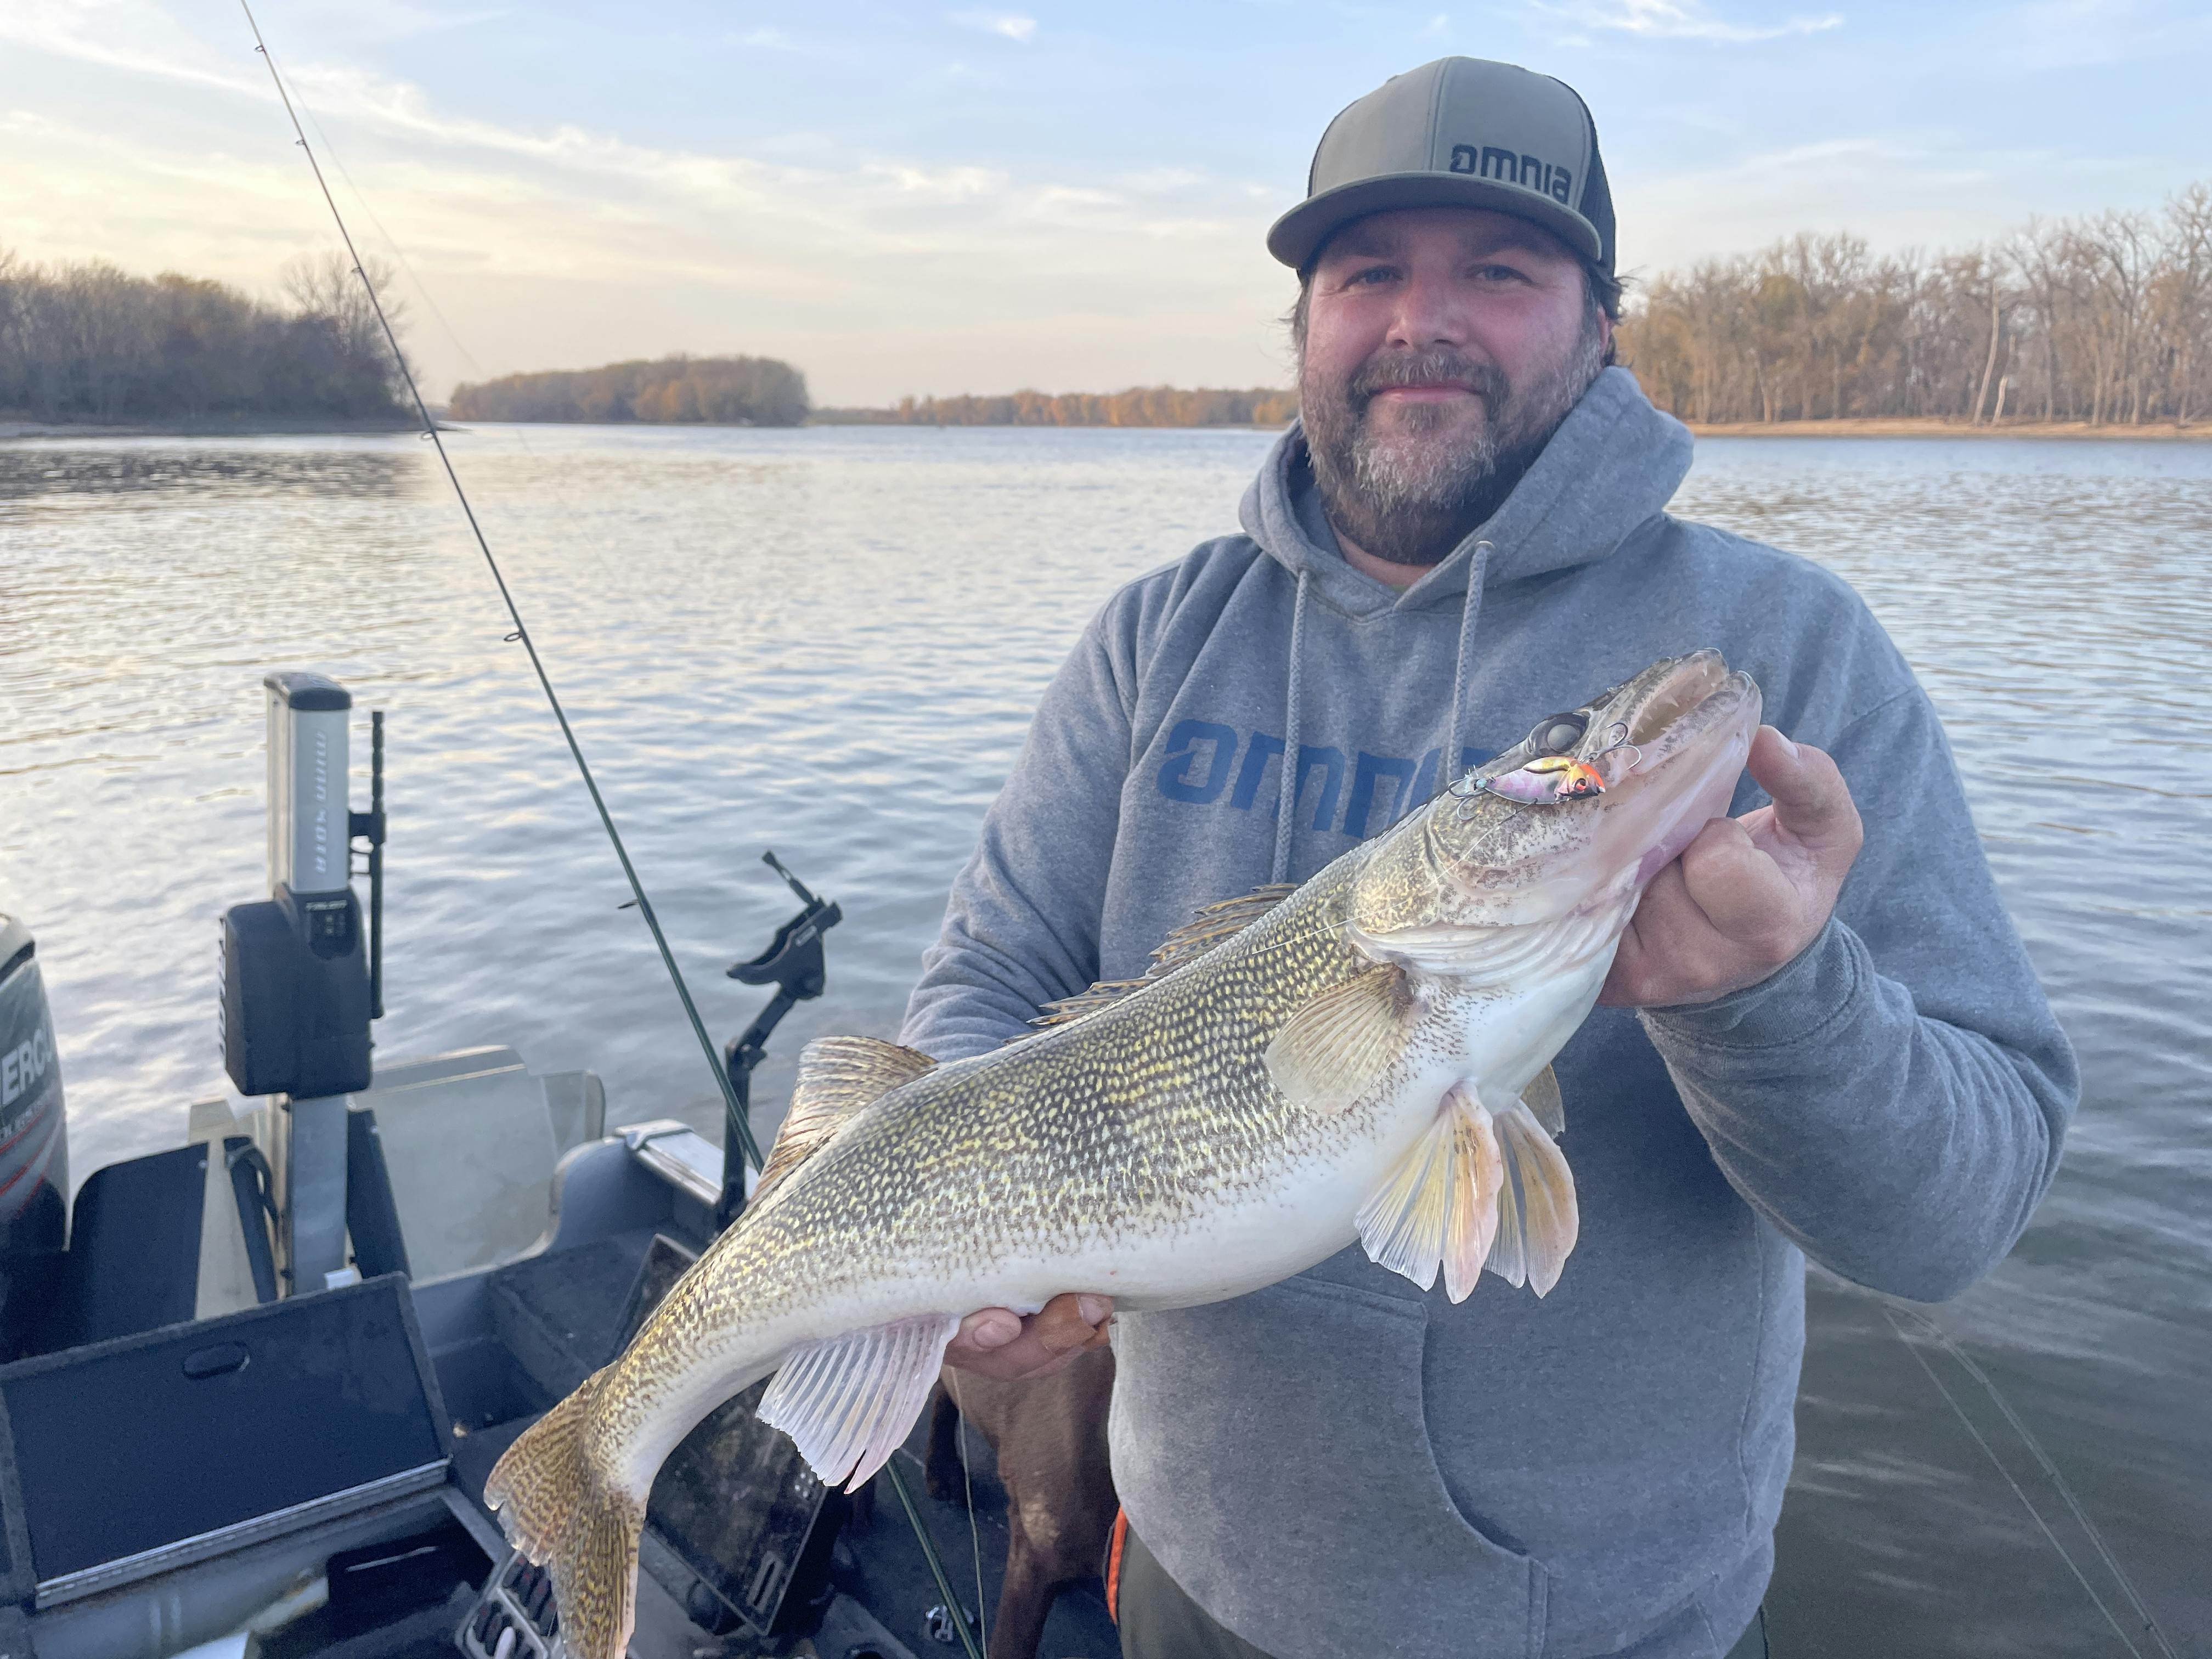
(677,391)
(86,341)
(2104,319)
(1149,405)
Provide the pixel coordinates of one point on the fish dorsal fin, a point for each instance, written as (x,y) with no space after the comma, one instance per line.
(1216,922)
(1438,1207)
(837,1076)
(1103,995)
(1208,927)
(1334,1048)
(1538,1220)
(1541,1097)
(849,1403)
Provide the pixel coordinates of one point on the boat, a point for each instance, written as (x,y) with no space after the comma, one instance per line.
(254,1387)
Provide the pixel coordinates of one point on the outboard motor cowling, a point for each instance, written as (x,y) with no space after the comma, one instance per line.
(34,1145)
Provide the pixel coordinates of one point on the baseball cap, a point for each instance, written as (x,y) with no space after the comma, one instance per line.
(1459,133)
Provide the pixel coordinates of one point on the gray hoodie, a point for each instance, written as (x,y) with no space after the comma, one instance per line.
(1340,1464)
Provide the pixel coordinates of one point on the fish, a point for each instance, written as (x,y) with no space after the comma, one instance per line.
(1363,1057)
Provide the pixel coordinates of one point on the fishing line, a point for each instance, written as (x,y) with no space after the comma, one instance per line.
(740,1130)
(1931,1329)
(968,1491)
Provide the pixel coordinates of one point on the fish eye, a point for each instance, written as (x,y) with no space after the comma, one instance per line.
(1557,733)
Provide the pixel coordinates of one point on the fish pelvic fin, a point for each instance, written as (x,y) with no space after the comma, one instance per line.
(837,1077)
(558,1513)
(849,1403)
(1438,1207)
(1538,1221)
(1541,1097)
(1335,1048)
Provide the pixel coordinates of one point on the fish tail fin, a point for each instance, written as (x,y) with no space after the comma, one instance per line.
(560,1512)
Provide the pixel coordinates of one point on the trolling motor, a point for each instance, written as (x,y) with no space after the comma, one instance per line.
(302,977)
(792,963)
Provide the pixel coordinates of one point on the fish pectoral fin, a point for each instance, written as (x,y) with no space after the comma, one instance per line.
(837,1077)
(1439,1205)
(849,1403)
(1334,1048)
(1541,1097)
(1537,1217)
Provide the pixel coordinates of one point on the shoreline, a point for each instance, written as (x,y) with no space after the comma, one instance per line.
(208,425)
(1937,427)
(273,426)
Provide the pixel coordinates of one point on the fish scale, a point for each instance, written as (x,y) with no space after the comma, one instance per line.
(1345,1061)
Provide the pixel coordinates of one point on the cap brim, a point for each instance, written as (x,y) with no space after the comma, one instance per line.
(1298,234)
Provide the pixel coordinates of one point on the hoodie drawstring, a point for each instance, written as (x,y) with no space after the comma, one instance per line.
(1478,567)
(1286,796)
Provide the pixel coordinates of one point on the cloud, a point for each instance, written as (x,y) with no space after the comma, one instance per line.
(879,272)
(1679,20)
(1899,190)
(764,39)
(1014,26)
(120,35)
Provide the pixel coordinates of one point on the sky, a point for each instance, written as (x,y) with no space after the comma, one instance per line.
(917,198)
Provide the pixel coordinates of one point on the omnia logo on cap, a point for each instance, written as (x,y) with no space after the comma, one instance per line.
(1492,162)
(1459,133)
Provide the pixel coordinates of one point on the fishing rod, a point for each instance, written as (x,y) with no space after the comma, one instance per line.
(739,1129)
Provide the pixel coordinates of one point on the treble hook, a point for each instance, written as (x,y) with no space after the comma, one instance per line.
(1548,779)
(1617,738)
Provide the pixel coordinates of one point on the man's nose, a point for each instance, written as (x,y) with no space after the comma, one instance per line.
(1426,314)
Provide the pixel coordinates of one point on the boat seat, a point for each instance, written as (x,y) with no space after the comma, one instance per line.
(133,1262)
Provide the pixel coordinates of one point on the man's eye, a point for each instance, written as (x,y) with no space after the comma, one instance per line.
(1497,274)
(1374,273)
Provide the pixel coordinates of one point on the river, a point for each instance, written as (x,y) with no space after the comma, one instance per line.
(828,641)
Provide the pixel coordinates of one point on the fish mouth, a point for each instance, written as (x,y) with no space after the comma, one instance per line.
(1512,853)
(1670,746)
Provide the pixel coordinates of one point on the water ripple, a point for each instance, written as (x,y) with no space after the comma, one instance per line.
(829,640)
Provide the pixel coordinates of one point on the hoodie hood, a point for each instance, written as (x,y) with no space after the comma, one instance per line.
(1614,462)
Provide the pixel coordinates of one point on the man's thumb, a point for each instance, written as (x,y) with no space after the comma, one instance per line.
(1812,802)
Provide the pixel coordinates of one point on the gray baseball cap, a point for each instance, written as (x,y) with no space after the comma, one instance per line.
(1459,133)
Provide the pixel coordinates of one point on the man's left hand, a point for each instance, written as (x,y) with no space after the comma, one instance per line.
(1749,893)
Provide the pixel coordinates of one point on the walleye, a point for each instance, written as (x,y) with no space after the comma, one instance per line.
(1365,1057)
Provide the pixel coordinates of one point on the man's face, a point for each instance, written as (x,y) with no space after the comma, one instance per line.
(1442,347)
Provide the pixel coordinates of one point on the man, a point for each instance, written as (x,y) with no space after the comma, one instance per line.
(1810,1047)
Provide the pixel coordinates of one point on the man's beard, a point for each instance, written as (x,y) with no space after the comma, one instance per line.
(1411,495)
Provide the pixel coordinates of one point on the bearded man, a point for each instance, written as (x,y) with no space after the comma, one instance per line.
(1467,532)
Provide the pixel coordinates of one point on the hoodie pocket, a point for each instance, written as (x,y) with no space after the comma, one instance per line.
(1273,1454)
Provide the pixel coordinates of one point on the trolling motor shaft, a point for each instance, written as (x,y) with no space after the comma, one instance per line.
(794,962)
(302,977)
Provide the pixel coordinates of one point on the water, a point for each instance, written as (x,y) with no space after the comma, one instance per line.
(829,641)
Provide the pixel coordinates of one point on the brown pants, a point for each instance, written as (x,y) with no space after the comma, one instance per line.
(1158,1621)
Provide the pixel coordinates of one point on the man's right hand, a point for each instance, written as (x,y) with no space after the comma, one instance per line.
(999,1343)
